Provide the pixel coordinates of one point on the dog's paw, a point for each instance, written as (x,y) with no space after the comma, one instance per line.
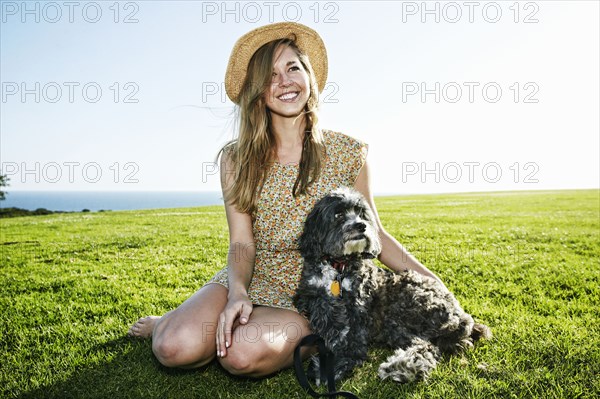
(414,363)
(345,366)
(396,367)
(314,370)
(480,332)
(340,375)
(342,369)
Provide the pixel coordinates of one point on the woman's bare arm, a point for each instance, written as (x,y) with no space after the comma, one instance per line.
(240,265)
(393,254)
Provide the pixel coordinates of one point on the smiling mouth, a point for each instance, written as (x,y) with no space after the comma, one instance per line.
(289,97)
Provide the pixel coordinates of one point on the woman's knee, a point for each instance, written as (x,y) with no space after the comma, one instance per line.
(180,347)
(167,351)
(247,352)
(247,360)
(238,362)
(185,337)
(260,349)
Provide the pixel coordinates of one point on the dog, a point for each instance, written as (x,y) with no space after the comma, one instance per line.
(351,303)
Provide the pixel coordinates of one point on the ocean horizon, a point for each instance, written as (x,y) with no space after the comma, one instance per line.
(76,201)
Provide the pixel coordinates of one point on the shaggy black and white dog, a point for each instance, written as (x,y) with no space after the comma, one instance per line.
(352,303)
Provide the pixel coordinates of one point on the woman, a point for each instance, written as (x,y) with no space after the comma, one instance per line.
(271,176)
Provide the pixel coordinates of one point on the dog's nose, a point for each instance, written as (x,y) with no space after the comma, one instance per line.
(360,226)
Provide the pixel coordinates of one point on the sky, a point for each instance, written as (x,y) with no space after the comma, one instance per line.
(449,96)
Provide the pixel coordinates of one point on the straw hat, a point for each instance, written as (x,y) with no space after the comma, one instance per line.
(307,40)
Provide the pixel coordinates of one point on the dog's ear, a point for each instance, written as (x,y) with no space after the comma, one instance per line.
(310,240)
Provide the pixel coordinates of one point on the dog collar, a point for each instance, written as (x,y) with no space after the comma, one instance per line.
(338,264)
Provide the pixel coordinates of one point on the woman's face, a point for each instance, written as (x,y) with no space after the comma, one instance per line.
(290,87)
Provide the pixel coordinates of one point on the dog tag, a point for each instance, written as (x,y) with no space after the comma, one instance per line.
(335,288)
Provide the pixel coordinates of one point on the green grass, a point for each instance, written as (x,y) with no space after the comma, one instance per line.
(527,264)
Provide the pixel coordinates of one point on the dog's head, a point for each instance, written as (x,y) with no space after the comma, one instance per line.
(341,224)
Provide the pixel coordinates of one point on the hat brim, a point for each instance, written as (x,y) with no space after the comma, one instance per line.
(307,40)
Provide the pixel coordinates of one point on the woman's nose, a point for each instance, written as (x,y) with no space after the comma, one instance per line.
(283,80)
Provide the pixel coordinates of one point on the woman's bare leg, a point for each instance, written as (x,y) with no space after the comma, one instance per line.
(185,337)
(266,343)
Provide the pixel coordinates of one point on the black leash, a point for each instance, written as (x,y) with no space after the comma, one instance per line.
(326,360)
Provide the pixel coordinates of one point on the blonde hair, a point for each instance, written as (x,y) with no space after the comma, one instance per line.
(253,152)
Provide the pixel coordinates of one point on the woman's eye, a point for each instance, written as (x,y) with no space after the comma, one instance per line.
(295,68)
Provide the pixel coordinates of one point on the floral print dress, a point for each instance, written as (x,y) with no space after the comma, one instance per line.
(278,220)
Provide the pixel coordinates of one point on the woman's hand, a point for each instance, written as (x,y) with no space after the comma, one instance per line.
(237,311)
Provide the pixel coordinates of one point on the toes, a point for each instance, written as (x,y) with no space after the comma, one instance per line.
(144,327)
(133,330)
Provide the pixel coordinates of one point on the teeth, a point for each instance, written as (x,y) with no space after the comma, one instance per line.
(288,96)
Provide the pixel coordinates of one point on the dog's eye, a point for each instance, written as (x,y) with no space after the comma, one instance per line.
(339,215)
(362,213)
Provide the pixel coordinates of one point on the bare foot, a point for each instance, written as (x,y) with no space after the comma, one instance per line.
(144,327)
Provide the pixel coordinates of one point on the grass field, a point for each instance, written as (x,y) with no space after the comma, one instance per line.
(527,264)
